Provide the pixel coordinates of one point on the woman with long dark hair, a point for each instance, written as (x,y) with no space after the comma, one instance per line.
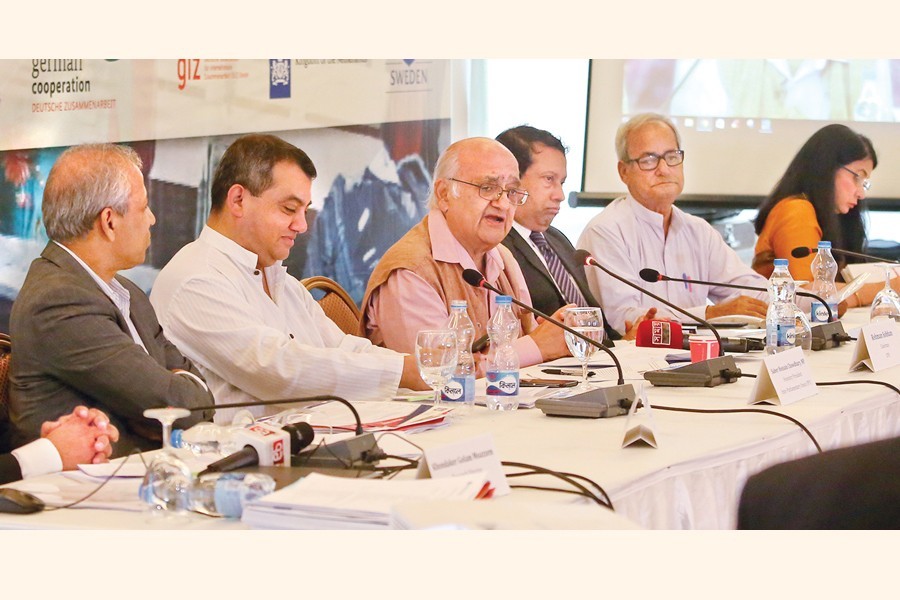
(819,198)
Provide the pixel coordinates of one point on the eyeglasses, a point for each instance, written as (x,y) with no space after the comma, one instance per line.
(492,192)
(648,162)
(866,184)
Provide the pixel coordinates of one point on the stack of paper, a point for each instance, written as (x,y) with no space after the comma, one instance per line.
(322,502)
(378,416)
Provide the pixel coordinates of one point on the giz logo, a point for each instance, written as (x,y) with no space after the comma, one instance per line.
(188,69)
(278,452)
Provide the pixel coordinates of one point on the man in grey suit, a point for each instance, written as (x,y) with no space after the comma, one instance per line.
(544,253)
(83,334)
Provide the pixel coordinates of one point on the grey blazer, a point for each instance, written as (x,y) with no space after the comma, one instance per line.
(72,346)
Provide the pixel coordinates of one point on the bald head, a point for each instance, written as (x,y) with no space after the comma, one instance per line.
(466,152)
(83,181)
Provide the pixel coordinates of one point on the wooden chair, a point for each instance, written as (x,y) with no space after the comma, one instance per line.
(336,302)
(5,355)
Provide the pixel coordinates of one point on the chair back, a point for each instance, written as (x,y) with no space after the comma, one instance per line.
(336,302)
(5,355)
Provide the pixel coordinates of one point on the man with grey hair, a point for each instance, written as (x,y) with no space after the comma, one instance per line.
(83,334)
(644,229)
(475,193)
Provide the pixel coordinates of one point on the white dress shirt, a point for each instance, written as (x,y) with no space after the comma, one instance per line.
(211,303)
(38,458)
(627,237)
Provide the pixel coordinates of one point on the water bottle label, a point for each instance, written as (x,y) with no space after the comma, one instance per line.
(459,389)
(819,314)
(502,383)
(228,495)
(781,335)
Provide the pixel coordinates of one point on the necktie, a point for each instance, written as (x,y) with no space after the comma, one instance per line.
(558,271)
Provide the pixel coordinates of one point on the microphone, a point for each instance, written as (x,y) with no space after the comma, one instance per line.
(824,335)
(709,373)
(803,252)
(668,334)
(264,445)
(613,401)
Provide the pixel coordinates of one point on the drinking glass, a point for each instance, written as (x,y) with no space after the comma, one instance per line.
(167,483)
(886,302)
(436,356)
(589,323)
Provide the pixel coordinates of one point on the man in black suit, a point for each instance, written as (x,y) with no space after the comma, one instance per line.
(848,488)
(544,253)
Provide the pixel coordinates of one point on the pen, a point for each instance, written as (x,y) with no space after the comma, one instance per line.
(564,372)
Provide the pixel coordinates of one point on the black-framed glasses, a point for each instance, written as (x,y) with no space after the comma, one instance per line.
(492,192)
(650,161)
(866,184)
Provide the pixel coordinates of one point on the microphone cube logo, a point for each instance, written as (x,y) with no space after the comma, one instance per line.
(278,455)
(452,391)
(661,333)
(502,383)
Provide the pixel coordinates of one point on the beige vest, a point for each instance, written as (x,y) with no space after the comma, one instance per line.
(413,252)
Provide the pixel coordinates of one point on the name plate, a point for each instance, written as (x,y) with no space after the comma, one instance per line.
(464,457)
(877,346)
(785,378)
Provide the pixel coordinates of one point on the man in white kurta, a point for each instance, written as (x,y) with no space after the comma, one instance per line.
(645,230)
(228,303)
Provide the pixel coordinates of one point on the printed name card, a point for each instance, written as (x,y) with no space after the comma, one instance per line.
(464,457)
(877,346)
(785,378)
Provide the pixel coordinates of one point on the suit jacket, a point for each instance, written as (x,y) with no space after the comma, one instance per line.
(72,346)
(545,295)
(9,469)
(848,488)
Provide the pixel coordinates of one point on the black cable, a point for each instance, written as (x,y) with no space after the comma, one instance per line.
(851,382)
(109,478)
(536,470)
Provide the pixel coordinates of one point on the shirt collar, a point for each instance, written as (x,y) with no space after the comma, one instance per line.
(115,290)
(446,248)
(651,217)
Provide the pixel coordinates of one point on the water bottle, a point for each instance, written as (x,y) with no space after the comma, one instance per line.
(824,270)
(502,364)
(781,321)
(459,392)
(226,494)
(206,439)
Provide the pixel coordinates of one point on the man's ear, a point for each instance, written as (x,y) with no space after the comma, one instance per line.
(107,223)
(442,194)
(621,167)
(234,199)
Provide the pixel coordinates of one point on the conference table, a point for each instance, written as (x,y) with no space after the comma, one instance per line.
(691,480)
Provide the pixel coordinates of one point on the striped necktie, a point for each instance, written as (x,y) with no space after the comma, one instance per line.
(562,277)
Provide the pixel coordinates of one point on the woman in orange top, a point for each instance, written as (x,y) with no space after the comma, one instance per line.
(818,198)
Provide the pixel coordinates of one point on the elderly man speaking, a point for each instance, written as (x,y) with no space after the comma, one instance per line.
(475,194)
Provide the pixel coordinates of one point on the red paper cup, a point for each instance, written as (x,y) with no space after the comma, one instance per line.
(703,347)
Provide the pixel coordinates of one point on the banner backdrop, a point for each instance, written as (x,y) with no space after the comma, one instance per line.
(374,129)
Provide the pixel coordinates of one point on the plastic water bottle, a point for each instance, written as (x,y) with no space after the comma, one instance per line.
(226,494)
(780,318)
(502,365)
(206,438)
(824,270)
(459,391)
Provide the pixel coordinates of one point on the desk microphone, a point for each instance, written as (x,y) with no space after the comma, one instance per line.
(824,335)
(613,401)
(708,373)
(803,252)
(266,446)
(668,334)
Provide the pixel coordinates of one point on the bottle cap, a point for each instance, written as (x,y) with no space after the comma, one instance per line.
(176,438)
(458,304)
(503,300)
(824,244)
(781,262)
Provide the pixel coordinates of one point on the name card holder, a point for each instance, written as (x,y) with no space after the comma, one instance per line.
(877,346)
(639,427)
(784,378)
(464,457)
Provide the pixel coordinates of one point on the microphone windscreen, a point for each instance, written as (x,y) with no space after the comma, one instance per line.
(651,275)
(473,277)
(801,252)
(302,435)
(659,334)
(583,257)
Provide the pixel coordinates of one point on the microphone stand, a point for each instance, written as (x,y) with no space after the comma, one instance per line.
(824,335)
(707,373)
(802,251)
(607,401)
